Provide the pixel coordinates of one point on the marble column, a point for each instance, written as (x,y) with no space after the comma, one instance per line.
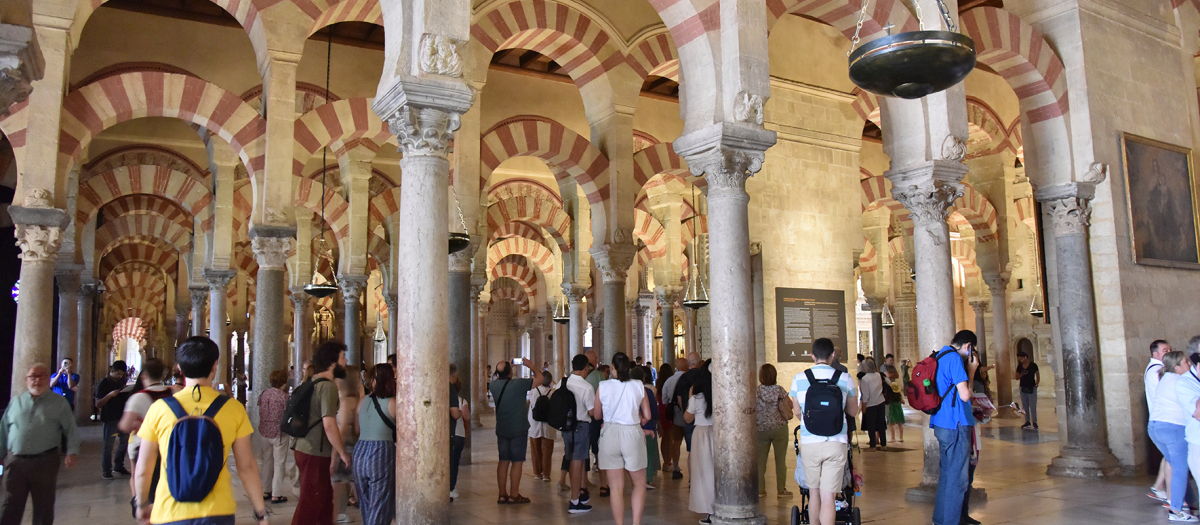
(475,372)
(999,350)
(980,308)
(424,117)
(68,317)
(218,281)
(85,354)
(199,296)
(1085,454)
(689,321)
(182,311)
(393,322)
(597,321)
(301,330)
(459,319)
(927,190)
(876,306)
(666,305)
(575,304)
(271,245)
(352,289)
(728,155)
(639,333)
(38,231)
(613,261)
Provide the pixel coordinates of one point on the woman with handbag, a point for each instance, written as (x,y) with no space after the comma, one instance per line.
(375,453)
(874,419)
(774,412)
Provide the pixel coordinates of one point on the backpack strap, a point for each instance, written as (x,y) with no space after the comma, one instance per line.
(390,424)
(811,378)
(837,374)
(501,396)
(565,381)
(215,407)
(175,407)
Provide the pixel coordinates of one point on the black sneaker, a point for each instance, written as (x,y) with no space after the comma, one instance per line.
(122,472)
(970,521)
(107,475)
(677,475)
(578,508)
(706,521)
(1026,426)
(1035,426)
(584,498)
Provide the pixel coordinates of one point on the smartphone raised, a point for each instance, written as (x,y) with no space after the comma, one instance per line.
(517,361)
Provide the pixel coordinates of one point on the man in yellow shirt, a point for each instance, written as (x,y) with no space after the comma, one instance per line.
(197,358)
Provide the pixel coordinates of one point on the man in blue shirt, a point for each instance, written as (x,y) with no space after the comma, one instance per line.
(65,382)
(952,426)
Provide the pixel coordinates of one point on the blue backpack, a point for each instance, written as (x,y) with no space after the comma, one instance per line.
(196,453)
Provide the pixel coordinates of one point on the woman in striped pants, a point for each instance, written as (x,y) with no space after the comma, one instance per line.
(375,453)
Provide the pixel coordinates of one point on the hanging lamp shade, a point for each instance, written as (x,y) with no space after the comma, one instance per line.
(1035,306)
(561,315)
(888,320)
(459,241)
(320,290)
(912,64)
(697,294)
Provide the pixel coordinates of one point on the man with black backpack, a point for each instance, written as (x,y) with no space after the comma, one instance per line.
(575,401)
(194,431)
(311,416)
(951,422)
(823,397)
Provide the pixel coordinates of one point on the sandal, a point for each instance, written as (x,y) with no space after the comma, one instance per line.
(518,499)
(604,492)
(503,500)
(280,499)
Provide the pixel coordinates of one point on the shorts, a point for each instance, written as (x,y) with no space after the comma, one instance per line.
(576,442)
(824,465)
(622,447)
(512,449)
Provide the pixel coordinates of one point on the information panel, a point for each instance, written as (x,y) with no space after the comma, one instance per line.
(803,315)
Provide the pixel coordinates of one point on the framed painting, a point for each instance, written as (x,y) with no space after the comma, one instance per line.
(1160,189)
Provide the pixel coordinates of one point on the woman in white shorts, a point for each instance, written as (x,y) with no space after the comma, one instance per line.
(621,403)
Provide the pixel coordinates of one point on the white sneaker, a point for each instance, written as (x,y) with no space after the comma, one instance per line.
(1181,517)
(342,518)
(454,494)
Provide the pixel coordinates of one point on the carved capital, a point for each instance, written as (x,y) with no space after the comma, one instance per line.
(38,243)
(929,202)
(352,286)
(393,302)
(613,260)
(998,283)
(199,296)
(574,293)
(271,252)
(667,295)
(88,291)
(424,131)
(300,299)
(726,168)
(875,303)
(460,261)
(68,281)
(20,64)
(440,55)
(476,289)
(1069,215)
(979,306)
(641,310)
(424,115)
(219,279)
(728,153)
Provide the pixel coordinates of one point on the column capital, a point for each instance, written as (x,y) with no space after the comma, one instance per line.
(423,115)
(88,291)
(876,303)
(299,298)
(20,65)
(980,306)
(1068,206)
(460,261)
(199,294)
(614,259)
(641,310)
(476,289)
(271,245)
(39,227)
(667,295)
(68,281)
(352,286)
(726,154)
(218,279)
(574,293)
(928,202)
(997,283)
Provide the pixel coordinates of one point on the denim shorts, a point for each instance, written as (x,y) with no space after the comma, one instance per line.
(512,449)
(576,443)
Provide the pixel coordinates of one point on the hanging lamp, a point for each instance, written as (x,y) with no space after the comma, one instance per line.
(697,294)
(888,320)
(912,64)
(459,240)
(380,335)
(561,315)
(324,289)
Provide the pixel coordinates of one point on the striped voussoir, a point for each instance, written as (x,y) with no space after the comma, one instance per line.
(523,275)
(150,225)
(129,328)
(341,124)
(516,229)
(661,159)
(868,261)
(148,251)
(187,192)
(973,206)
(655,55)
(565,152)
(866,104)
(650,232)
(843,15)
(533,250)
(368,11)
(1019,54)
(308,196)
(515,295)
(384,206)
(533,210)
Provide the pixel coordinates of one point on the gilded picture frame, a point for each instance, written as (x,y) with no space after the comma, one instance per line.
(1161,196)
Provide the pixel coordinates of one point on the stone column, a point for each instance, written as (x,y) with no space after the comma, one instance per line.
(613,261)
(423,117)
(1085,454)
(597,321)
(218,280)
(301,330)
(980,308)
(39,235)
(199,296)
(575,303)
(927,190)
(689,321)
(460,322)
(1000,354)
(639,332)
(726,167)
(85,355)
(475,372)
(393,321)
(876,306)
(182,311)
(666,304)
(68,317)
(271,245)
(352,288)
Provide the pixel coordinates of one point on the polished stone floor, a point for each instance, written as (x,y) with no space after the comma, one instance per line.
(1012,471)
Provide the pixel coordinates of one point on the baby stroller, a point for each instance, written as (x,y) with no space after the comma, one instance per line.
(847,513)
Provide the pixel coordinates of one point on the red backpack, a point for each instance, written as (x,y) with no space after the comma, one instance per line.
(922,390)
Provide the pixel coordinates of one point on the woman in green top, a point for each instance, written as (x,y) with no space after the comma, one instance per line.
(375,453)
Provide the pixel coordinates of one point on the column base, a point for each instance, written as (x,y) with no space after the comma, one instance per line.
(1089,463)
(924,493)
(756,520)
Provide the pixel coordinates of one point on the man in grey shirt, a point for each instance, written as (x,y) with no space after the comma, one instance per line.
(33,428)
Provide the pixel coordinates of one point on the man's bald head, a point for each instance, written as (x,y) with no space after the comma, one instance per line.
(37,379)
(693,360)
(592,357)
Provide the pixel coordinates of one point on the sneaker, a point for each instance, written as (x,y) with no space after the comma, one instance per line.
(677,475)
(578,508)
(1160,495)
(1181,517)
(706,521)
(122,472)
(584,498)
(342,518)
(1035,426)
(107,475)
(1026,426)
(650,486)
(454,494)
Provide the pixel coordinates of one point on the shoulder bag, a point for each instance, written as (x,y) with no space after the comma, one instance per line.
(785,406)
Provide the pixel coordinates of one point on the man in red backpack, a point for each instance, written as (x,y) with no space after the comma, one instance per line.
(952,427)
(197,359)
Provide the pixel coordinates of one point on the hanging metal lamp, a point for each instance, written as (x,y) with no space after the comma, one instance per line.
(459,241)
(561,315)
(324,289)
(912,64)
(696,296)
(888,320)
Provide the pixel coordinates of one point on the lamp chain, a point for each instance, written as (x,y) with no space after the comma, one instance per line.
(862,16)
(946,16)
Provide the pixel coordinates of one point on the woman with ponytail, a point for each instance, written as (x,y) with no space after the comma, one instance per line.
(622,404)
(700,461)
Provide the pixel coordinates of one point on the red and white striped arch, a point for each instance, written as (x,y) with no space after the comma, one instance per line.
(150,251)
(308,196)
(655,55)
(340,124)
(964,253)
(1021,55)
(843,15)
(523,275)
(866,104)
(662,159)
(187,192)
(517,229)
(147,204)
(534,251)
(579,44)
(877,191)
(243,261)
(1026,212)
(129,328)
(650,232)
(868,261)
(533,210)
(379,250)
(566,153)
(385,205)
(92,108)
(512,294)
(345,11)
(149,225)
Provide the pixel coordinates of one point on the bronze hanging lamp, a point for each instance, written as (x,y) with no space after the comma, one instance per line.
(561,314)
(459,240)
(324,289)
(912,64)
(887,318)
(696,296)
